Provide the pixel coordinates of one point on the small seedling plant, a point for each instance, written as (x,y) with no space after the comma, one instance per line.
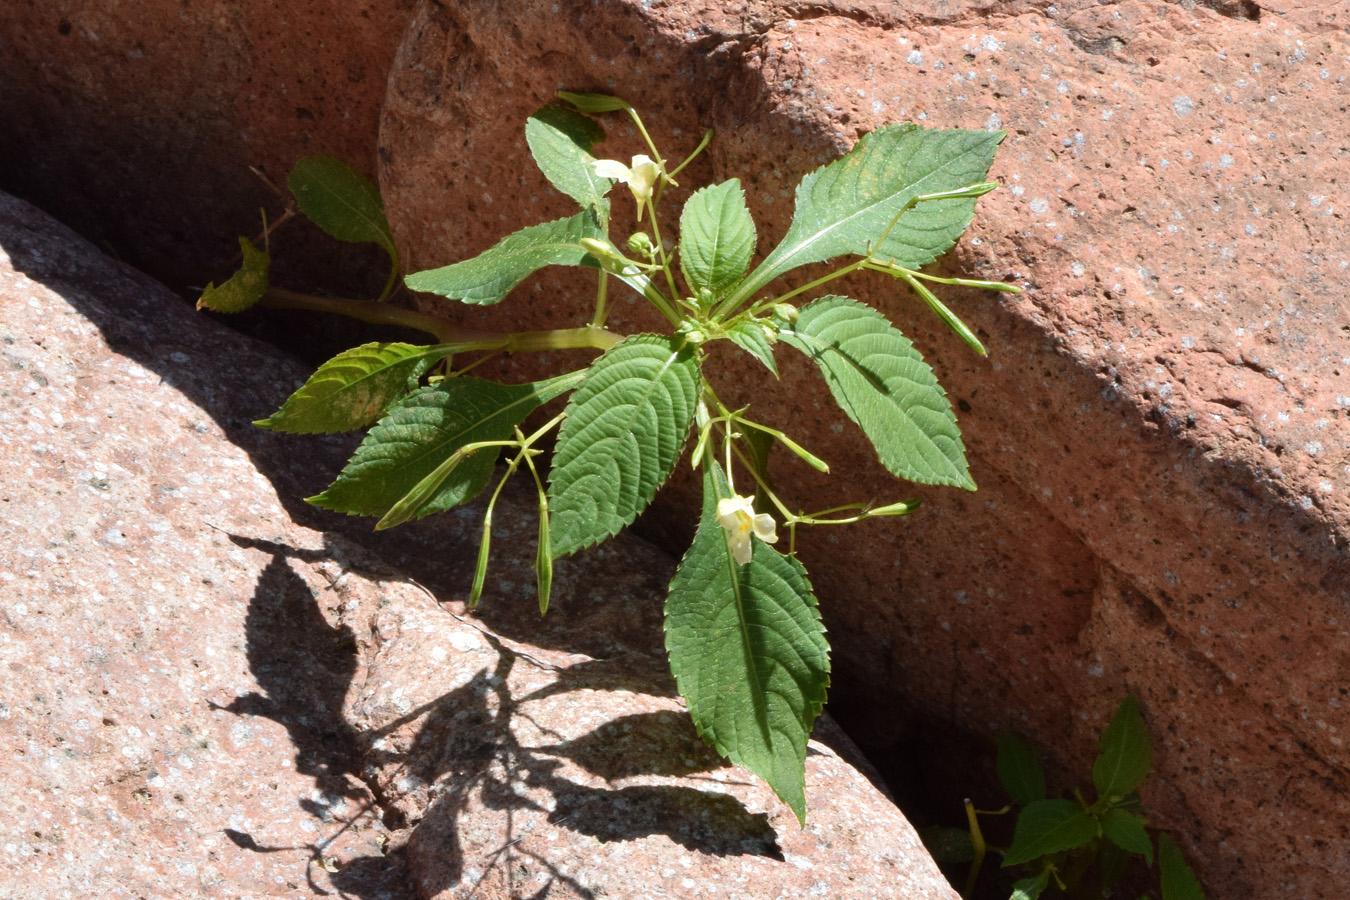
(1070,845)
(742,628)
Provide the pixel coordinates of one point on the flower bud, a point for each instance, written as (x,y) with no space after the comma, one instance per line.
(641,242)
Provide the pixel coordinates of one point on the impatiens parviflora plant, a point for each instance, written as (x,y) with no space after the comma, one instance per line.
(743,632)
(1080,848)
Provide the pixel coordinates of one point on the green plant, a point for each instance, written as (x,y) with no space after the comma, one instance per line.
(743,632)
(1063,843)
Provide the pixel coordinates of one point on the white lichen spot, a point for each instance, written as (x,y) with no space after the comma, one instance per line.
(1040,205)
(915,58)
(1183,105)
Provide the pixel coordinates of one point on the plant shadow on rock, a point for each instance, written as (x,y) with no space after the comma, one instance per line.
(464,750)
(303,667)
(235,380)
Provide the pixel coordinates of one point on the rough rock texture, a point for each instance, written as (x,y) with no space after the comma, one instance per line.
(1160,432)
(204,697)
(136,123)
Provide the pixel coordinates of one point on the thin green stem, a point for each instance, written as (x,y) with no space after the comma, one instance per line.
(651,145)
(601,296)
(725,308)
(789,517)
(661,250)
(365,311)
(702,145)
(589,336)
(979,846)
(392,281)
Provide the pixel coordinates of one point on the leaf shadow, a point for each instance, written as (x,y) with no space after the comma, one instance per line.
(467,755)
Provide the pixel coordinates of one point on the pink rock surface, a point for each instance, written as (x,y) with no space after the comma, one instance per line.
(1160,431)
(204,697)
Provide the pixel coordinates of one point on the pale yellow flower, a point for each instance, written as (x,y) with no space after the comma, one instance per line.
(737,516)
(640,176)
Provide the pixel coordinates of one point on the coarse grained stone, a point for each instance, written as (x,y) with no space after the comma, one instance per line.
(1160,431)
(206,697)
(174,655)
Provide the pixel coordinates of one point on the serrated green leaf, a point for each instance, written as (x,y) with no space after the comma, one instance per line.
(752,338)
(560,140)
(423,431)
(1111,865)
(845,207)
(492,274)
(1127,752)
(242,289)
(947,845)
(748,651)
(1030,888)
(620,440)
(882,383)
(1178,879)
(353,389)
(1049,826)
(341,201)
(593,103)
(1126,830)
(1019,769)
(717,238)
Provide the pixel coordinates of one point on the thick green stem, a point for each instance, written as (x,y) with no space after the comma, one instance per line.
(444,330)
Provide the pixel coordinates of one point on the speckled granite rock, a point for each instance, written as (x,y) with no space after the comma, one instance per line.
(206,698)
(175,663)
(1161,430)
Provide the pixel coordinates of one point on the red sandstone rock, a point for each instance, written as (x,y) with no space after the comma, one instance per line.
(1160,431)
(206,698)
(136,124)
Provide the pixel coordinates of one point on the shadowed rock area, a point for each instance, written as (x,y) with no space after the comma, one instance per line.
(207,697)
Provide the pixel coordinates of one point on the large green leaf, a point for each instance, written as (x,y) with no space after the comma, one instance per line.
(560,140)
(1030,888)
(1126,753)
(717,237)
(881,383)
(492,274)
(1178,880)
(748,651)
(753,337)
(1126,830)
(352,389)
(242,289)
(1019,769)
(623,434)
(422,431)
(1049,826)
(341,201)
(845,207)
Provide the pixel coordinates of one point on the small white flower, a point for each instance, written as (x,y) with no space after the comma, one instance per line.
(640,176)
(737,516)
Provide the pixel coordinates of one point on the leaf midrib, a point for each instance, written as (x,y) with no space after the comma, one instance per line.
(774,259)
(381,228)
